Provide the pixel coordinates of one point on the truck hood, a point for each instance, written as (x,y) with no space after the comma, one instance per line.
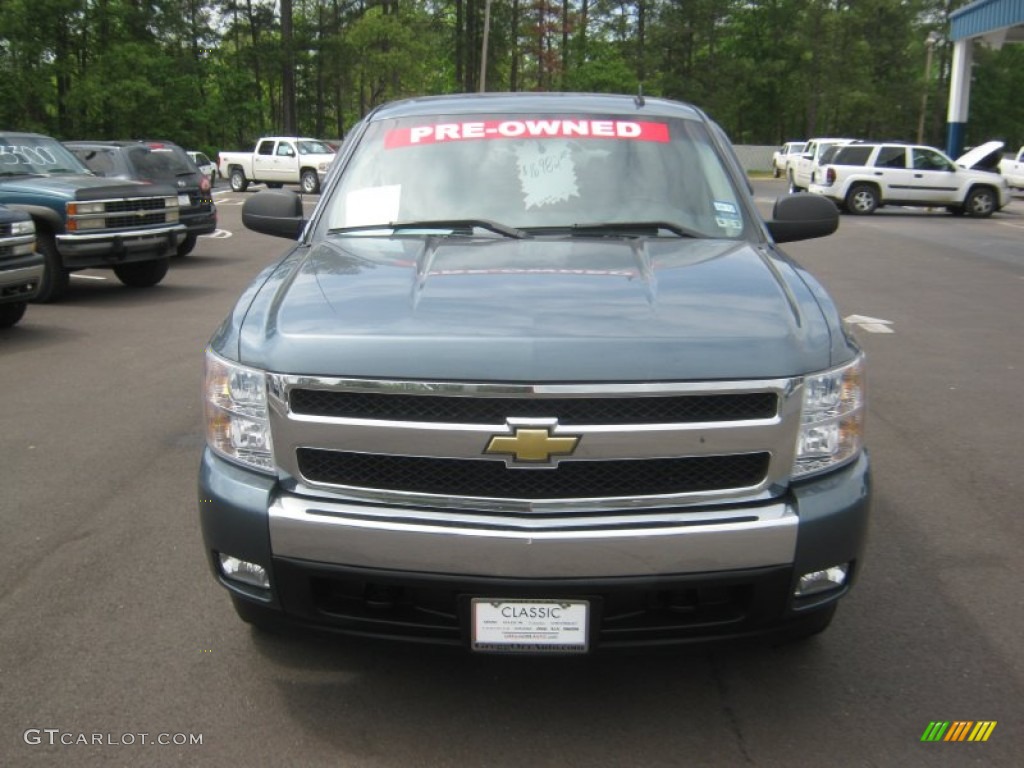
(75,186)
(573,309)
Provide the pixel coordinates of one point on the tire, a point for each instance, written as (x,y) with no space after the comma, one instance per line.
(10,314)
(981,202)
(309,182)
(142,274)
(776,172)
(793,188)
(238,181)
(55,278)
(862,199)
(187,245)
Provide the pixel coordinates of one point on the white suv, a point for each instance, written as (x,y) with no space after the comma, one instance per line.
(862,176)
(800,173)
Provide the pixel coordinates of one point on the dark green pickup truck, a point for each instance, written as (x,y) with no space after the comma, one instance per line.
(84,221)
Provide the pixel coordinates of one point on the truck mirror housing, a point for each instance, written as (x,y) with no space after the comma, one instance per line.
(801,217)
(276,212)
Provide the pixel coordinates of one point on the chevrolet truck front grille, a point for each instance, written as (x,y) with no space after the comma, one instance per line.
(569,480)
(631,446)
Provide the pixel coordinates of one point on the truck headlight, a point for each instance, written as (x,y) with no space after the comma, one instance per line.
(237,427)
(832,419)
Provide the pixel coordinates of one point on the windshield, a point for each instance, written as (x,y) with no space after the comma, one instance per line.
(310,147)
(538,173)
(21,155)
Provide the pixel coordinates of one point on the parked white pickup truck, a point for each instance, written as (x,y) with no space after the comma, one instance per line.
(1012,169)
(278,160)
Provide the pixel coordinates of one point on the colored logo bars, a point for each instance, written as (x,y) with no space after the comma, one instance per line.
(959,730)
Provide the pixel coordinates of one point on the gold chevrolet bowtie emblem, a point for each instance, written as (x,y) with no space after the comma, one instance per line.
(532,445)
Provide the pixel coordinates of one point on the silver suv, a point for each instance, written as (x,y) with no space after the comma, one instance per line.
(863,176)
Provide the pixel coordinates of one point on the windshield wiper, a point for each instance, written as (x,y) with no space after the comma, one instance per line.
(632,229)
(457,224)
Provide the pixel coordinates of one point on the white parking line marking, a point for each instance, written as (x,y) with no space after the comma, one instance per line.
(218,234)
(870,324)
(87,277)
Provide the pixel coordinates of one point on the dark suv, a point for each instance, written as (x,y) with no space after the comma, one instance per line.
(160,161)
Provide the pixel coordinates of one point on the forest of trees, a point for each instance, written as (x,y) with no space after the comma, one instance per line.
(214,74)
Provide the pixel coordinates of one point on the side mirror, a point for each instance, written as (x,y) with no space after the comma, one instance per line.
(276,212)
(801,217)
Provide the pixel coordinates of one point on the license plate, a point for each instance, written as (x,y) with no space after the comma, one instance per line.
(183,201)
(530,626)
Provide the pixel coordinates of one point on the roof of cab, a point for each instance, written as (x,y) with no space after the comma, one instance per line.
(484,103)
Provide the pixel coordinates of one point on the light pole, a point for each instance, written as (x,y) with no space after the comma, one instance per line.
(929,45)
(483,54)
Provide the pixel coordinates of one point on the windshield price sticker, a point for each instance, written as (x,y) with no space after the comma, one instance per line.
(438,133)
(530,626)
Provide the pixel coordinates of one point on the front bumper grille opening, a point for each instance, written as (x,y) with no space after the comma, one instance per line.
(439,611)
(374,602)
(675,409)
(663,611)
(569,480)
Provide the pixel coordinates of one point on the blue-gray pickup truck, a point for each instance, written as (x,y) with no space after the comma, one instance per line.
(86,221)
(534,377)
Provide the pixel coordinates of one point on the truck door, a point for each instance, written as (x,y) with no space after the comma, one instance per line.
(263,160)
(285,169)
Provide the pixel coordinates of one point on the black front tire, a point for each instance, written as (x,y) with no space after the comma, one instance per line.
(142,274)
(310,182)
(10,314)
(238,181)
(793,188)
(981,203)
(187,245)
(55,278)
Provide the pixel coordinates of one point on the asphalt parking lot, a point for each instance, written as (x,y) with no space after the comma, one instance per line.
(114,628)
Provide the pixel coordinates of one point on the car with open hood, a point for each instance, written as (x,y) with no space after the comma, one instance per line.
(535,377)
(863,176)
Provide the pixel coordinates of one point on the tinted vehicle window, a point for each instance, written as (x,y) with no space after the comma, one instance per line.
(538,172)
(159,162)
(891,157)
(850,155)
